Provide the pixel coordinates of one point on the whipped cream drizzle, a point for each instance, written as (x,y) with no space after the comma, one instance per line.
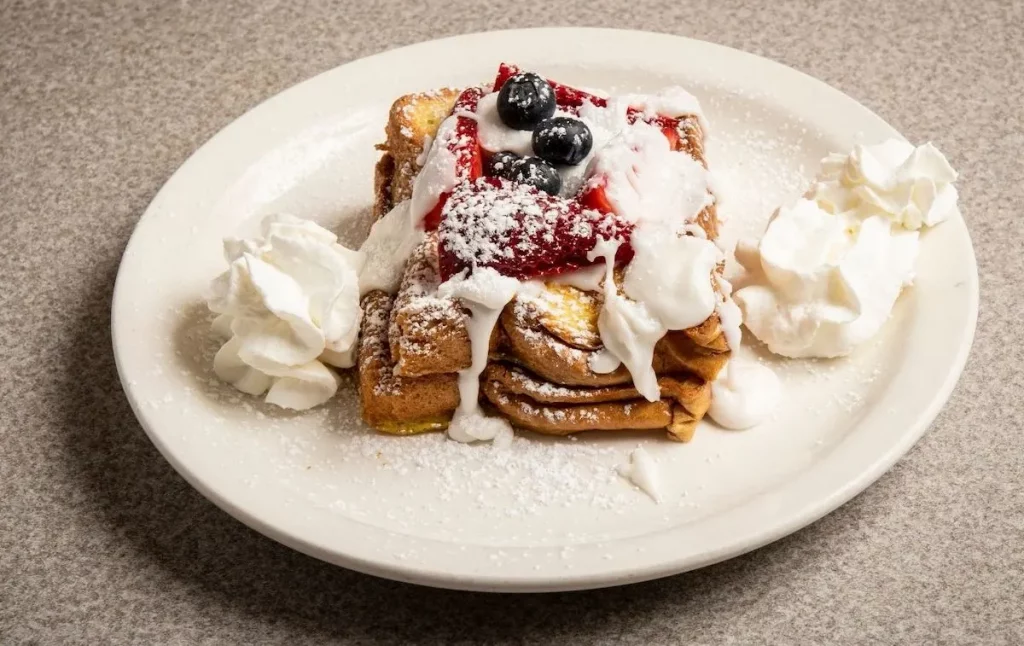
(628,331)
(438,174)
(662,191)
(485,292)
(386,250)
(290,302)
(826,274)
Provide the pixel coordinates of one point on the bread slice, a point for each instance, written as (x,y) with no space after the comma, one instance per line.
(538,405)
(394,404)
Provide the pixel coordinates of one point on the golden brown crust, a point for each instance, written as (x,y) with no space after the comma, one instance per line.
(392,403)
(383,176)
(516,381)
(531,403)
(553,420)
(406,406)
(412,122)
(701,350)
(428,334)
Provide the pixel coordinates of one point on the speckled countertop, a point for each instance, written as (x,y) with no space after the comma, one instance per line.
(102,542)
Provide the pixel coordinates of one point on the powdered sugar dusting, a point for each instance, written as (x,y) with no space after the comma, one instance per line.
(757,162)
(419,312)
(518,230)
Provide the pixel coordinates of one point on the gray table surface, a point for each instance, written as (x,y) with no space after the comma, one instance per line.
(102,542)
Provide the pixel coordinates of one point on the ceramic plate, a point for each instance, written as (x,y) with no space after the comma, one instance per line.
(545,514)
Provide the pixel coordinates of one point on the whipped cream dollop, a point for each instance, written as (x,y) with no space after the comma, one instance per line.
(642,471)
(494,134)
(826,274)
(912,186)
(290,302)
(822,284)
(744,394)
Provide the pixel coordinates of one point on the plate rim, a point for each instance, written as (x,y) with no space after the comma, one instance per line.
(792,521)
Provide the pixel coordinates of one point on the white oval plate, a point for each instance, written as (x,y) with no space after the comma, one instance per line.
(547,514)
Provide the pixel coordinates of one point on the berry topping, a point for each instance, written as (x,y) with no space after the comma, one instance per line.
(562,140)
(465,146)
(534,171)
(520,231)
(570,99)
(500,164)
(525,100)
(512,219)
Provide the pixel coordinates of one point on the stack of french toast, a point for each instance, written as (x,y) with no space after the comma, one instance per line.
(539,373)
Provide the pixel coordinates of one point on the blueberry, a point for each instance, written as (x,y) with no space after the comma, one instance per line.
(500,164)
(525,100)
(536,172)
(562,140)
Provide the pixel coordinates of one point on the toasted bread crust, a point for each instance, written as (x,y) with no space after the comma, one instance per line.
(412,123)
(391,403)
(553,410)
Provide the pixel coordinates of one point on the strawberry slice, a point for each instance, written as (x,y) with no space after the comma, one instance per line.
(465,145)
(568,98)
(673,137)
(593,197)
(521,232)
(505,72)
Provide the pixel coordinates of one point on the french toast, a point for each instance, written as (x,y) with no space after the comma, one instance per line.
(412,405)
(539,375)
